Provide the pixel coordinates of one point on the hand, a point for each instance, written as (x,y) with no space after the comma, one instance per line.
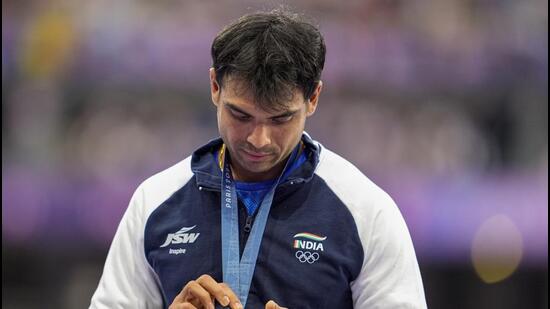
(201,294)
(273,305)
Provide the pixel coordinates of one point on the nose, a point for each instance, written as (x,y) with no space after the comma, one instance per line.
(259,137)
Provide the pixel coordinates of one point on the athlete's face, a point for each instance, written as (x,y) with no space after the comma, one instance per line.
(258,141)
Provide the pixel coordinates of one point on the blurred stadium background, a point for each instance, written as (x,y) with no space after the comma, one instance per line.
(443,103)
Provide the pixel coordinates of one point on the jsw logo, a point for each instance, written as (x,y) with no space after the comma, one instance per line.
(181,237)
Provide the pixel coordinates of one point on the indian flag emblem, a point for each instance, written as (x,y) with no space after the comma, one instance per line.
(309,241)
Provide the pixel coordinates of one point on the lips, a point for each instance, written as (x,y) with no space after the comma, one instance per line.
(255,156)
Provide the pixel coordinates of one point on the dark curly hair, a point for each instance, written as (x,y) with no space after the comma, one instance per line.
(272,54)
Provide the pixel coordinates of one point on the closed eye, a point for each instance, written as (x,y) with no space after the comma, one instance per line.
(237,114)
(240,116)
(282,119)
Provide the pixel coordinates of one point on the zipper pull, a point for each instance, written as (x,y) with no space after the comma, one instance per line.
(248,224)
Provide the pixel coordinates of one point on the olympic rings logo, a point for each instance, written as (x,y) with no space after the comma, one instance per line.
(306,256)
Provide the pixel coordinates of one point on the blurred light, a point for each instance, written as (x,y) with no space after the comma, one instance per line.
(49,44)
(497,249)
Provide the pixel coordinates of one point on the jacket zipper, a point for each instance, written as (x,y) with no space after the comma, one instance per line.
(249,219)
(203,188)
(248,224)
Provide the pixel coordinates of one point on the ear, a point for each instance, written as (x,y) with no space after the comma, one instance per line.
(215,89)
(314,99)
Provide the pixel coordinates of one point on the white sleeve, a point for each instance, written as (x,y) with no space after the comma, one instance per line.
(390,276)
(127,280)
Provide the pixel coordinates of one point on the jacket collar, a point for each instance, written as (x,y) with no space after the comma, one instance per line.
(208,174)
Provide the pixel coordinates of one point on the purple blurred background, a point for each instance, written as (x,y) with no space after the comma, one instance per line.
(443,103)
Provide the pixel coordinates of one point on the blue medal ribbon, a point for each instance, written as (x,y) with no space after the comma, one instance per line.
(238,273)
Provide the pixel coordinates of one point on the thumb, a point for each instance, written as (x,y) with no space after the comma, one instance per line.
(273,305)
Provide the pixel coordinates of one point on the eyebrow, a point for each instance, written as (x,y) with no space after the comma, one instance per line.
(237,109)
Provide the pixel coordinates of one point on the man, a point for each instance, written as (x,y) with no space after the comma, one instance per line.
(265,216)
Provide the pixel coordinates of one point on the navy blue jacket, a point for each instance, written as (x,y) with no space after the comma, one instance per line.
(333,239)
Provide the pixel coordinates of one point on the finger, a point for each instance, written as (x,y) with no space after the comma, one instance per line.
(183,295)
(195,290)
(216,290)
(182,306)
(178,299)
(235,303)
(273,305)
